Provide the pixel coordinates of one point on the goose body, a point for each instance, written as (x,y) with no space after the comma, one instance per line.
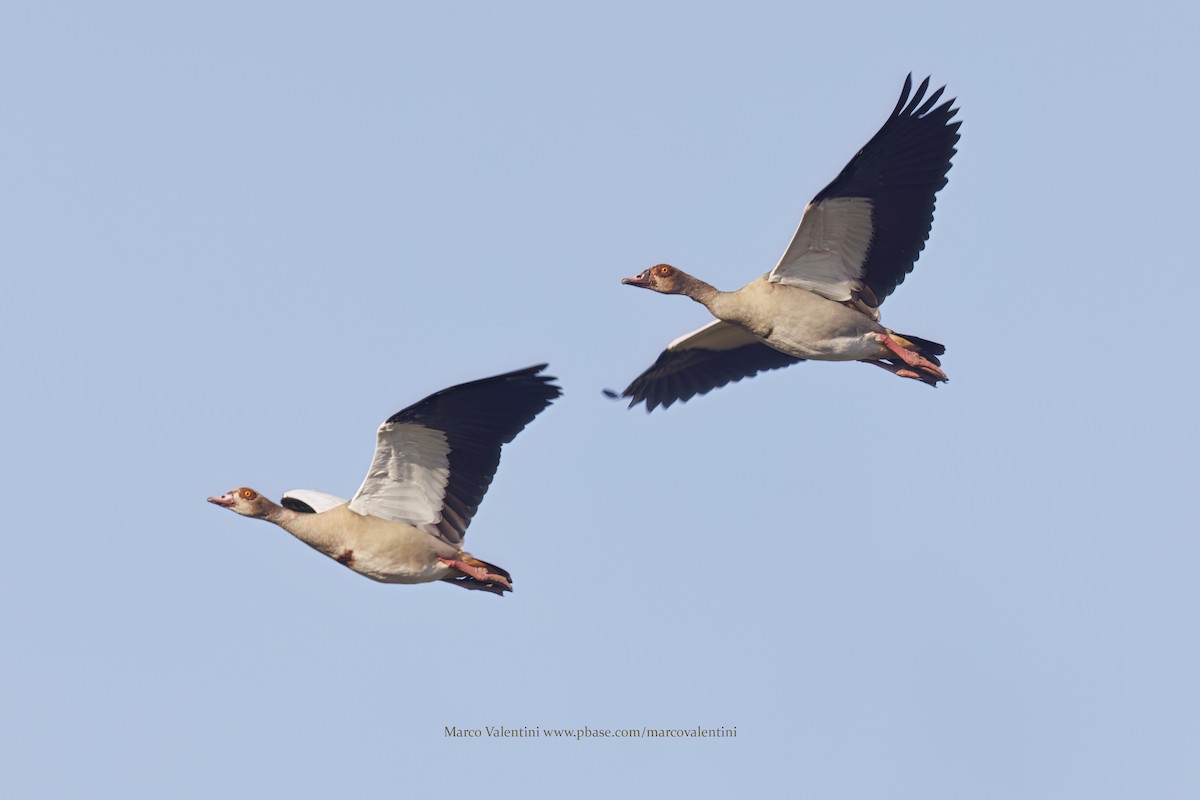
(381,549)
(857,240)
(433,463)
(799,323)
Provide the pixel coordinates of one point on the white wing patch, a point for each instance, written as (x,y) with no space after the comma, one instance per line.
(716,335)
(408,477)
(317,501)
(827,253)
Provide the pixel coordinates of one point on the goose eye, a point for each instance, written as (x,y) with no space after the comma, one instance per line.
(663,271)
(248,494)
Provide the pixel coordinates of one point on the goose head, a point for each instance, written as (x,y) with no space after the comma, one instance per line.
(246,502)
(662,278)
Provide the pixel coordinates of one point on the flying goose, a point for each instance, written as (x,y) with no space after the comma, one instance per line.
(857,240)
(433,463)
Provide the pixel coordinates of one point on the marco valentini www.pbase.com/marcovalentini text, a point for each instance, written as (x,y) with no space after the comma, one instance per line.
(502,732)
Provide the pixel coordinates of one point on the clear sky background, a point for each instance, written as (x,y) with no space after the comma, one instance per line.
(237,236)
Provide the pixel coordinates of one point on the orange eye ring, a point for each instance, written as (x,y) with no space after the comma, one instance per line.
(248,494)
(663,270)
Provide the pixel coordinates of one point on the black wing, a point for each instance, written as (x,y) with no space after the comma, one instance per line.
(477,418)
(680,375)
(297,505)
(900,170)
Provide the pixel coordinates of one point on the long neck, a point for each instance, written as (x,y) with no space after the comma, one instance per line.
(720,304)
(279,515)
(312,529)
(703,293)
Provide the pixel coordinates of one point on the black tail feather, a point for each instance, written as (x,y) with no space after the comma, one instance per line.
(926,347)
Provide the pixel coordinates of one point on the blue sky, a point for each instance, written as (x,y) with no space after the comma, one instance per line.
(239,236)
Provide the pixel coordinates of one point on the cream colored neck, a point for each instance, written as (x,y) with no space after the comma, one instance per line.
(316,530)
(703,293)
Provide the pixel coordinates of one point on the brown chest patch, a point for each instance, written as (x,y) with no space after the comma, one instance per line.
(347,558)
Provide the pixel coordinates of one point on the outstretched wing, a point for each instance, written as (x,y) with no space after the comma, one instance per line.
(861,234)
(435,459)
(703,360)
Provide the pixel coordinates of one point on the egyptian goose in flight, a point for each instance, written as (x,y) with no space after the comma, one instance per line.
(433,463)
(857,240)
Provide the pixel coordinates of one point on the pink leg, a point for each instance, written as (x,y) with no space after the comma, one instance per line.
(909,357)
(896,370)
(478,573)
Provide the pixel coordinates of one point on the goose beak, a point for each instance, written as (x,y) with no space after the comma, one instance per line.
(225,501)
(642,279)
